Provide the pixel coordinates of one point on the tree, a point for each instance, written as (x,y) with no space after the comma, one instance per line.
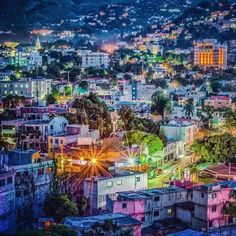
(61,230)
(3,143)
(216,149)
(216,86)
(230,119)
(189,107)
(54,230)
(50,99)
(84,85)
(208,112)
(82,203)
(31,232)
(68,90)
(91,111)
(59,206)
(129,120)
(161,104)
(152,141)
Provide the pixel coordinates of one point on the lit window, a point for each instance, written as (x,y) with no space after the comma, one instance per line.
(169,211)
(213,195)
(109,184)
(119,182)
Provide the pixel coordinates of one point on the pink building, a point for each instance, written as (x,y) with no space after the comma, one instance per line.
(149,205)
(210,201)
(219,102)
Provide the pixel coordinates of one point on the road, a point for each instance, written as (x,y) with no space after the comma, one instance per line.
(160,180)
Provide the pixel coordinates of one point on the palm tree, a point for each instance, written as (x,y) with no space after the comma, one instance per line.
(208,111)
(189,108)
(161,104)
(3,143)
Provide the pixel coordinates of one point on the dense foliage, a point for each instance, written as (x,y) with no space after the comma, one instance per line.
(59,206)
(93,112)
(152,141)
(217,148)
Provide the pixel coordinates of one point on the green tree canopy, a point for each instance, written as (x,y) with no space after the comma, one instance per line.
(216,149)
(152,141)
(93,112)
(189,107)
(161,104)
(59,206)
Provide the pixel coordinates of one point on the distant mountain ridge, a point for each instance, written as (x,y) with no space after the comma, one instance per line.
(20,13)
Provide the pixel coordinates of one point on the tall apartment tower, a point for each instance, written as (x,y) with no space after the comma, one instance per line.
(210,53)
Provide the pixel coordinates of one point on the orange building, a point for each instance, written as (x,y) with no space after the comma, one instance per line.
(210,53)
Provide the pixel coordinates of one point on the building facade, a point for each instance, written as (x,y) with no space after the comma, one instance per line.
(149,205)
(31,88)
(210,53)
(95,59)
(98,189)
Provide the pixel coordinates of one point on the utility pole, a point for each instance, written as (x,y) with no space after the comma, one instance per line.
(229,178)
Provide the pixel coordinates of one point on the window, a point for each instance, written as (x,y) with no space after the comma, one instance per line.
(51,126)
(202,195)
(213,195)
(210,224)
(143,219)
(156,213)
(124,205)
(213,209)
(119,182)
(157,198)
(169,211)
(109,184)
(2,182)
(40,171)
(137,179)
(9,180)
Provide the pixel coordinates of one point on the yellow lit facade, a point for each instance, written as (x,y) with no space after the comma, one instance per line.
(209,53)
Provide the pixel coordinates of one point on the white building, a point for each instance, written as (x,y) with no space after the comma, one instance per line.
(99,188)
(95,59)
(38,131)
(137,92)
(30,88)
(184,131)
(35,59)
